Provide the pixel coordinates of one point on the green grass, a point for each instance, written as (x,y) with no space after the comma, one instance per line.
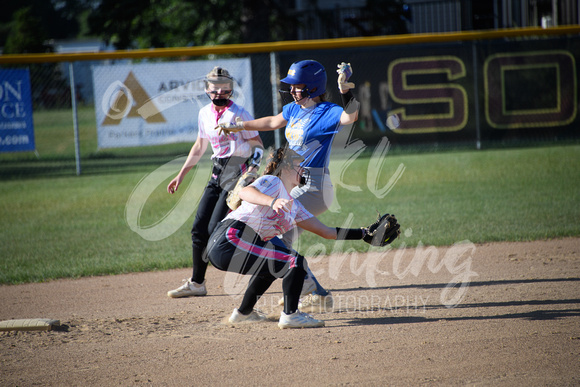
(68,226)
(481,196)
(75,226)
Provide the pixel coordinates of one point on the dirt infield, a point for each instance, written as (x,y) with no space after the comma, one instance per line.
(512,318)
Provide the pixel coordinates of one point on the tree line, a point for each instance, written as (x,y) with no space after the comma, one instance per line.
(30,26)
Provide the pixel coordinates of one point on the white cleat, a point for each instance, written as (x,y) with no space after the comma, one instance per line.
(255,316)
(298,319)
(315,303)
(188,289)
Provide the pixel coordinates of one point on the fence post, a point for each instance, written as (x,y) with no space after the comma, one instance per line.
(476,96)
(274,81)
(73,96)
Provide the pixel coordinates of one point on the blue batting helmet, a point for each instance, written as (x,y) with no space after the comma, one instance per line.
(308,72)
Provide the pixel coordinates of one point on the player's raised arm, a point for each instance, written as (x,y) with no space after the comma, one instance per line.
(349,102)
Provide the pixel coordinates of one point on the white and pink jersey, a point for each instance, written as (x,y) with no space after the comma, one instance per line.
(262,219)
(234,144)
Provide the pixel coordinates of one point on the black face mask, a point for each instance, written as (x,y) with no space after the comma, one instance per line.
(304,177)
(220,101)
(288,98)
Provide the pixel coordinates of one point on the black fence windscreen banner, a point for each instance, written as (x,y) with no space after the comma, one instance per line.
(495,90)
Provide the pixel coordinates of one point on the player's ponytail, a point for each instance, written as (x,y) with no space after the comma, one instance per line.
(282,157)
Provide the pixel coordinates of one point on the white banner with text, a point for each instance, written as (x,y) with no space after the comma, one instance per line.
(158,103)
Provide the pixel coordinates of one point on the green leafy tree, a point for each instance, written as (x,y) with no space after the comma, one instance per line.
(182,23)
(166,23)
(26,34)
(54,19)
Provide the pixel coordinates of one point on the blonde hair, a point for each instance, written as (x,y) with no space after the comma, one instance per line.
(219,75)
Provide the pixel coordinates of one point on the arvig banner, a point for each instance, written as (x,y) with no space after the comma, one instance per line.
(16,125)
(158,103)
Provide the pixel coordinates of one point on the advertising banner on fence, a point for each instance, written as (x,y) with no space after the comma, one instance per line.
(473,91)
(16,125)
(158,103)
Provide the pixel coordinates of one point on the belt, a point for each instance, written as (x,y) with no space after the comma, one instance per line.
(225,160)
(221,161)
(325,170)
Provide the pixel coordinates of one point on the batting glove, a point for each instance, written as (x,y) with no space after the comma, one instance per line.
(344,73)
(228,127)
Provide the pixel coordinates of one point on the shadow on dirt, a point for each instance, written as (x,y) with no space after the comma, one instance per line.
(413,309)
(532,316)
(472,283)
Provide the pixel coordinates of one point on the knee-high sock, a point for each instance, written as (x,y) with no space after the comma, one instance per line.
(256,288)
(199,265)
(292,285)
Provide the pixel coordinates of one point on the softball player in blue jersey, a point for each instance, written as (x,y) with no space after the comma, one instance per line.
(311,123)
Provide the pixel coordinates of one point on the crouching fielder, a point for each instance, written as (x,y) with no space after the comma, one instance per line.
(247,240)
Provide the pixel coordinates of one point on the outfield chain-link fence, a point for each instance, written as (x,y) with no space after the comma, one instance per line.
(474,89)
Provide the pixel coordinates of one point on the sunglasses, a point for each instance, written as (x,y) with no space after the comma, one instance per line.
(218,92)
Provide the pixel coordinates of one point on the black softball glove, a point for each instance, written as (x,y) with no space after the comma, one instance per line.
(383,231)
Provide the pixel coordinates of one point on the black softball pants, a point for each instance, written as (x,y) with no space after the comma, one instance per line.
(212,208)
(235,247)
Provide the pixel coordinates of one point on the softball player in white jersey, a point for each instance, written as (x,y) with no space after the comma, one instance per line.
(233,154)
(246,241)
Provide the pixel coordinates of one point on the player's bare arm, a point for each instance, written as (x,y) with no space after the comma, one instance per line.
(317,227)
(195,154)
(265,124)
(255,142)
(254,196)
(381,232)
(349,102)
(349,118)
(351,107)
